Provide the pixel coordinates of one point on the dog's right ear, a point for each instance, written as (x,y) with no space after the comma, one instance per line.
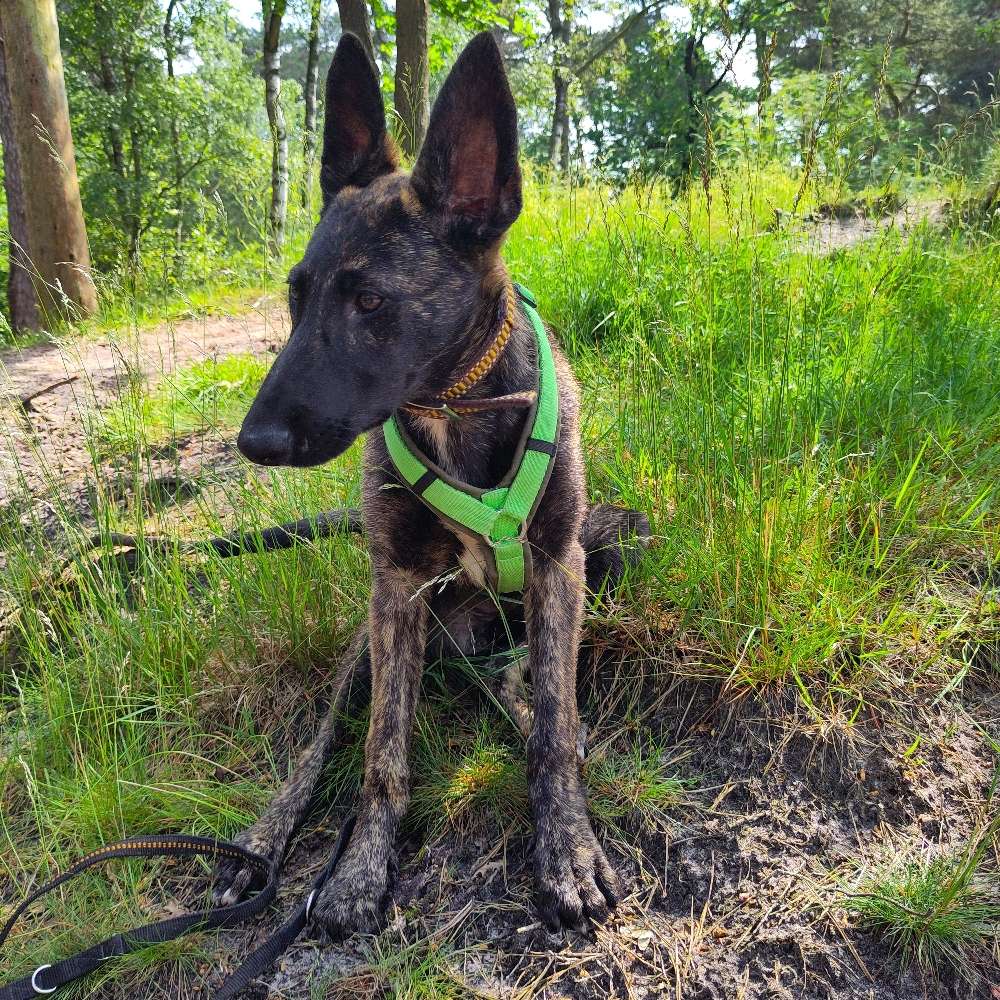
(467,174)
(356,146)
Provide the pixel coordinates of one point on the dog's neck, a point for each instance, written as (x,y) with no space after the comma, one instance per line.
(478,448)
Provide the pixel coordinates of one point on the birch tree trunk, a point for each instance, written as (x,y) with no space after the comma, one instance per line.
(309,125)
(56,235)
(561,27)
(20,292)
(412,94)
(169,46)
(273,11)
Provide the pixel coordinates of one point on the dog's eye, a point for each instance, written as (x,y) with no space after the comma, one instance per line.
(368,302)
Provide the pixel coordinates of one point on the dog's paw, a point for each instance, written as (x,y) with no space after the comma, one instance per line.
(233,877)
(356,898)
(575,881)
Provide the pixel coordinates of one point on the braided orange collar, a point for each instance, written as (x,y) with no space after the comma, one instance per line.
(450,403)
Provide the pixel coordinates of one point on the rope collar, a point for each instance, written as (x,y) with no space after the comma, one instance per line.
(450,402)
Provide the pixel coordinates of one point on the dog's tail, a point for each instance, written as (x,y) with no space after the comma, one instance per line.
(613,538)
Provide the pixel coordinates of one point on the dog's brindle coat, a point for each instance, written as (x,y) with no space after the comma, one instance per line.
(396,296)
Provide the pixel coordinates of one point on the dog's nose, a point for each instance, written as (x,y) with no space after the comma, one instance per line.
(266,444)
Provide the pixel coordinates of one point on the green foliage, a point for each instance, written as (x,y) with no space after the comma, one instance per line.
(938,910)
(641,118)
(198,396)
(170,165)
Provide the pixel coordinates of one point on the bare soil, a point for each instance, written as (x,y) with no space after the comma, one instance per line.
(837,231)
(46,447)
(736,895)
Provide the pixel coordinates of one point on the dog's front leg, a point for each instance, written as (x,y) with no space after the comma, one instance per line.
(574,879)
(356,896)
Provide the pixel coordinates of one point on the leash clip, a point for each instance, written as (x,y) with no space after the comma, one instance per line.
(40,990)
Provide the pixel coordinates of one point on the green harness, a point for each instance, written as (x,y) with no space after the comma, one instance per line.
(499,516)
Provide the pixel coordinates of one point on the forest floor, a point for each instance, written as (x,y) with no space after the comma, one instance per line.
(765,822)
(86,374)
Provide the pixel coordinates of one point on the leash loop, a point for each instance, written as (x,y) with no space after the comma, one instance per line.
(41,990)
(174,846)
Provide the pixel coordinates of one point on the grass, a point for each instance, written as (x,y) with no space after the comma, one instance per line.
(207,393)
(814,435)
(942,911)
(417,971)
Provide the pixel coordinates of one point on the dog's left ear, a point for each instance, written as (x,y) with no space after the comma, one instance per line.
(356,146)
(467,172)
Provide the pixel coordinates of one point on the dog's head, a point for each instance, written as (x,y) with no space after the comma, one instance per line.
(394,271)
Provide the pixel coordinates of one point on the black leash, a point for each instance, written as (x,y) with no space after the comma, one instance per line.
(281,940)
(237,543)
(47,978)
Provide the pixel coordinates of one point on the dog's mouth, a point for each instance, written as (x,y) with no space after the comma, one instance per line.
(301,450)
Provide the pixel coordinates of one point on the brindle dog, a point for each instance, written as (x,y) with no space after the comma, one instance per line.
(397,295)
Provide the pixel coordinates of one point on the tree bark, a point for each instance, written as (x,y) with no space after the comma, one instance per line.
(354,18)
(561,27)
(309,125)
(412,74)
(170,46)
(56,232)
(691,54)
(21,302)
(274,10)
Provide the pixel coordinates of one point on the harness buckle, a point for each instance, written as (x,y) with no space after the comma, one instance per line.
(521,535)
(40,990)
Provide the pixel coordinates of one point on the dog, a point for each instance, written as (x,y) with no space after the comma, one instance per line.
(400,297)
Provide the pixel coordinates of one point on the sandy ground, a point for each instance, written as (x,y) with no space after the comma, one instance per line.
(825,235)
(46,446)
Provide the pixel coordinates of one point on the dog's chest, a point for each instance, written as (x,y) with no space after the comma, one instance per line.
(473,556)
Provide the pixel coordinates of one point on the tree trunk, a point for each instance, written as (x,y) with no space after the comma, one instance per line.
(691,45)
(561,27)
(273,12)
(354,18)
(309,125)
(56,232)
(135,150)
(20,292)
(412,74)
(170,46)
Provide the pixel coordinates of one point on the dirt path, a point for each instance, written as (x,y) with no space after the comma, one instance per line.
(47,444)
(844,226)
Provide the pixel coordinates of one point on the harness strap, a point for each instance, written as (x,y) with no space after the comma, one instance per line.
(500,516)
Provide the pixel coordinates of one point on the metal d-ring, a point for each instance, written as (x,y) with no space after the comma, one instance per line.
(40,990)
